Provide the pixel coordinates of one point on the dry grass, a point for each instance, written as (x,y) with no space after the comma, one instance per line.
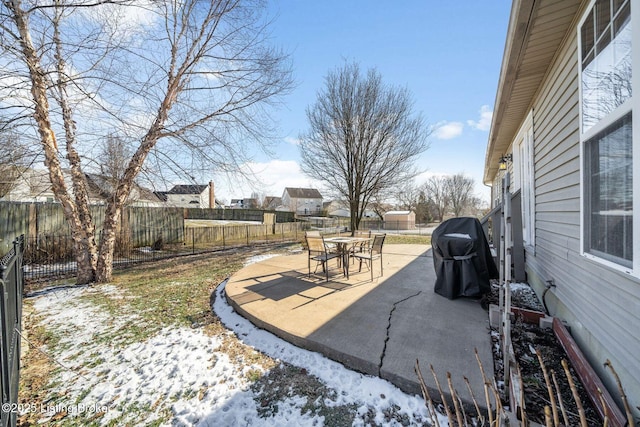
(169,293)
(36,367)
(407,239)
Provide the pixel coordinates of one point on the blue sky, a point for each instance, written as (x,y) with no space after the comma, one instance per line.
(447,53)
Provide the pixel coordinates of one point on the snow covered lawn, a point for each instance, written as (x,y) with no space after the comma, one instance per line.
(114,360)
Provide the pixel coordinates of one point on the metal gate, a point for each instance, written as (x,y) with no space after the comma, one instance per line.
(11,285)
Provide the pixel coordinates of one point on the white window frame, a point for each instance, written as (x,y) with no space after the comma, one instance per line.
(630,105)
(524,179)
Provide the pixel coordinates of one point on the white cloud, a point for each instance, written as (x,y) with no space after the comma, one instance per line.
(484,123)
(124,21)
(292,141)
(448,130)
(424,177)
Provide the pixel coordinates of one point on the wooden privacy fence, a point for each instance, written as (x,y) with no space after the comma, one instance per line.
(143,223)
(242,234)
(343,224)
(237,214)
(39,219)
(47,257)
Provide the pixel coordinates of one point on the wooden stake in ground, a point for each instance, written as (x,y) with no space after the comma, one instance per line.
(605,408)
(547,417)
(523,409)
(427,396)
(475,402)
(560,401)
(554,409)
(454,397)
(623,396)
(486,388)
(576,396)
(496,395)
(444,401)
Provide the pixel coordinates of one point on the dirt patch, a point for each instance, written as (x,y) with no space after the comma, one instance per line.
(528,341)
(286,381)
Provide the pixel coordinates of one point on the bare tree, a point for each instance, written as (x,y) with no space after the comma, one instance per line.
(407,196)
(435,189)
(363,137)
(113,157)
(413,198)
(424,208)
(378,205)
(176,77)
(459,191)
(258,200)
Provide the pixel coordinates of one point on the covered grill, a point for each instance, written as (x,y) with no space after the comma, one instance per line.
(462,259)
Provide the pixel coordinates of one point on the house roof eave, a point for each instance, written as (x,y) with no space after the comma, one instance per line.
(527,38)
(519,20)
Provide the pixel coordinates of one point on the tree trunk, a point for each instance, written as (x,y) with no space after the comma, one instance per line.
(355,216)
(86,260)
(104,270)
(82,244)
(86,245)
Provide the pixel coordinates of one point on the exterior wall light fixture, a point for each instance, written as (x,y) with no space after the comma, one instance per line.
(503,161)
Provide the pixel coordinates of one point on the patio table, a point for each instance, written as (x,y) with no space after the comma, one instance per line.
(344,245)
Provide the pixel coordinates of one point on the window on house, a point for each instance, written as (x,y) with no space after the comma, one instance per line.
(606,102)
(605,60)
(608,177)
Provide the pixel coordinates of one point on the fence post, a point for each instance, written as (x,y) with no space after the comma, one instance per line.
(11,286)
(224,244)
(247,231)
(193,240)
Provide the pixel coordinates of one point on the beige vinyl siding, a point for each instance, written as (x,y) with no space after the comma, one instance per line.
(599,303)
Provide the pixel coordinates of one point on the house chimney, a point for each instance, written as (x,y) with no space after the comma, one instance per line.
(212,199)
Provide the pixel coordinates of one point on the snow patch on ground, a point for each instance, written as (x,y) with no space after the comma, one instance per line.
(181,374)
(352,386)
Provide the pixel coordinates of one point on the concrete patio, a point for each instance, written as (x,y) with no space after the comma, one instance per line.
(378,327)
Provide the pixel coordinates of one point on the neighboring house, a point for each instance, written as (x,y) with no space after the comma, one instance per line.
(400,220)
(33,185)
(272,202)
(302,201)
(235,204)
(341,209)
(101,188)
(563,130)
(335,208)
(30,185)
(244,204)
(189,196)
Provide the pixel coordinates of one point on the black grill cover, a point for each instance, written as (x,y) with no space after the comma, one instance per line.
(462,259)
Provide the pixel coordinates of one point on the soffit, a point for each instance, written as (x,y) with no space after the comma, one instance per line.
(536,31)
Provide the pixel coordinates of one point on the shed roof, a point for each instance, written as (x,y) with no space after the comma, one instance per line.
(398,213)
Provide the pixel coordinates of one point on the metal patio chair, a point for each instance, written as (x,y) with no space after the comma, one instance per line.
(319,252)
(370,253)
